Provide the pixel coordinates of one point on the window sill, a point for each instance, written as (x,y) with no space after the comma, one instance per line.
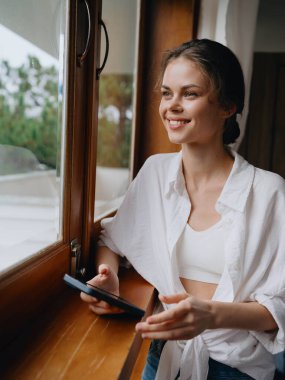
(70,342)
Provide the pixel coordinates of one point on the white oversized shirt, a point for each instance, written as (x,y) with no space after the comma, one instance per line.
(147,227)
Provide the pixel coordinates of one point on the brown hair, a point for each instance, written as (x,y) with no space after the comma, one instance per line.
(224,71)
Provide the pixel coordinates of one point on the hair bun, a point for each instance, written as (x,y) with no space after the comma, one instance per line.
(231,131)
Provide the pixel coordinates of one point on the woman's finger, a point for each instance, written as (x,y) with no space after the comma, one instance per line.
(165,326)
(103,310)
(173,298)
(103,269)
(174,334)
(175,313)
(86,298)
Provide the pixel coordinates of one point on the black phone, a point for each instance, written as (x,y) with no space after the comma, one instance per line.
(104,295)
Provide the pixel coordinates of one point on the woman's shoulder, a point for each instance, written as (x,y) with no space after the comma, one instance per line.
(269,182)
(163,161)
(161,158)
(262,179)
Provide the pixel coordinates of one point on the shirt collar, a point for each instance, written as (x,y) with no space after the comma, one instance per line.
(175,179)
(235,191)
(237,186)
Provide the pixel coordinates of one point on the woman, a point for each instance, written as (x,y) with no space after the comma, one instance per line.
(205,228)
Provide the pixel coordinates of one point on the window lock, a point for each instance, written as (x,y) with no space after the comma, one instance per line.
(76,270)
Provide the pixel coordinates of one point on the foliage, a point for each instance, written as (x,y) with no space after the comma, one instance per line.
(115,120)
(30,115)
(29,109)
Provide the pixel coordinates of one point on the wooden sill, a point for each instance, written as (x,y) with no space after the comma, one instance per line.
(70,342)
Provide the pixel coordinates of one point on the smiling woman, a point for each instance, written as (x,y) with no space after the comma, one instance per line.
(206,81)
(189,108)
(214,295)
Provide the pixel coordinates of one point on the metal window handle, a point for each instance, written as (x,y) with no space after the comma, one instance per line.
(100,69)
(81,57)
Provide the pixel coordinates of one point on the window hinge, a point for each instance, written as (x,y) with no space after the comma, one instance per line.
(75,259)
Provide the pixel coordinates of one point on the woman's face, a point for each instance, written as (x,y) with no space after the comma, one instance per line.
(189,107)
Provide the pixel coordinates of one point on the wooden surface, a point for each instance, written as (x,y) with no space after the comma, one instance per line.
(164,24)
(141,360)
(25,292)
(70,342)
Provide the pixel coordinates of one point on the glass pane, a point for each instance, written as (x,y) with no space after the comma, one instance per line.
(32,93)
(116,94)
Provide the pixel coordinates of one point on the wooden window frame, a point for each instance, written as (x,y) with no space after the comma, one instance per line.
(26,291)
(156,36)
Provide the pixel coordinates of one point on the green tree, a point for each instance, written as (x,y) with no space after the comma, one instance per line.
(30,114)
(114,136)
(30,110)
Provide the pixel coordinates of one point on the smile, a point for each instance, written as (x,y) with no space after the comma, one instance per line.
(177,123)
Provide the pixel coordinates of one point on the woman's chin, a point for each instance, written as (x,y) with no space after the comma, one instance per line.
(176,139)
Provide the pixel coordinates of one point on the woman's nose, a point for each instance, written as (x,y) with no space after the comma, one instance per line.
(175,104)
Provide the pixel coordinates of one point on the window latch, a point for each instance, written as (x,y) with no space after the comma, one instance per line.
(75,259)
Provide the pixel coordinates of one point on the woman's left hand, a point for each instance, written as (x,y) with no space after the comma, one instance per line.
(187,319)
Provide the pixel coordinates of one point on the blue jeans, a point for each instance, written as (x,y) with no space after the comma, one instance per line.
(280,362)
(217,371)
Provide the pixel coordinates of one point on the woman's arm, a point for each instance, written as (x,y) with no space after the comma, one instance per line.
(105,255)
(191,316)
(244,315)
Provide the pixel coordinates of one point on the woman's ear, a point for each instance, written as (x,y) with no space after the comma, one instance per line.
(229,111)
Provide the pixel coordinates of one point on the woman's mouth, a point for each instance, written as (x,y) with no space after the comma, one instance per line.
(175,124)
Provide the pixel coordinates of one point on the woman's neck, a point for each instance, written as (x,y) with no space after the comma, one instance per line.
(202,165)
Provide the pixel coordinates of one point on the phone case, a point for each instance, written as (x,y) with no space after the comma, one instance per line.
(103,295)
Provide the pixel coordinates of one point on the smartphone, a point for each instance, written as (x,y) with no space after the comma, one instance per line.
(103,295)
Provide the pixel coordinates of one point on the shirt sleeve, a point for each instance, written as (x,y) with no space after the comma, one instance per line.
(274,342)
(271,291)
(105,239)
(128,228)
(138,230)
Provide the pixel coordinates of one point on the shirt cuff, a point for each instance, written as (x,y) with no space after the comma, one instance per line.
(274,341)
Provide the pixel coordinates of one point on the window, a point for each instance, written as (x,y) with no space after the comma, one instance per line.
(70,175)
(116,104)
(51,98)
(32,127)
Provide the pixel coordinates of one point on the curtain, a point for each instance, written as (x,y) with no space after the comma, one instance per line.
(232,23)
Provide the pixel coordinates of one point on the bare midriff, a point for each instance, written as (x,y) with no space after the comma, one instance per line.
(199,289)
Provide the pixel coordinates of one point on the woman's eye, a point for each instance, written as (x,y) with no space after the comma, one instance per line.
(165,94)
(191,94)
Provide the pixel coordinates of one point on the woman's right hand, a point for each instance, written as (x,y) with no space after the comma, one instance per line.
(108,280)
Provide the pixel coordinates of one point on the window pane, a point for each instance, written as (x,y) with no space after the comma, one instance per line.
(116,94)
(32,89)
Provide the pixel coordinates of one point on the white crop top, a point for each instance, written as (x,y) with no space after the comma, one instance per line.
(200,254)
